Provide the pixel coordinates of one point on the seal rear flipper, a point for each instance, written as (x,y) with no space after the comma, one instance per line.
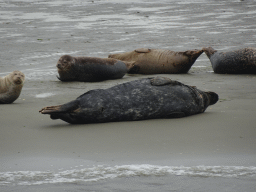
(160,81)
(142,50)
(209,51)
(61,108)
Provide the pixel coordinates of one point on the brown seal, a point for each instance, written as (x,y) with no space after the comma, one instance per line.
(89,69)
(156,61)
(10,87)
(241,61)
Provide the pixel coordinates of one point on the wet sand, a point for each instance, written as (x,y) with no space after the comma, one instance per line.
(35,35)
(226,130)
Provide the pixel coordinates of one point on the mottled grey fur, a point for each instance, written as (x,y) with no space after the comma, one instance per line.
(149,98)
(242,61)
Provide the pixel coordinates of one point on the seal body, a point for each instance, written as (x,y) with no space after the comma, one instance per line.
(11,86)
(89,69)
(156,61)
(148,98)
(242,61)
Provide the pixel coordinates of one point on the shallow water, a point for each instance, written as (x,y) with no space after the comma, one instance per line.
(45,30)
(101,173)
(34,34)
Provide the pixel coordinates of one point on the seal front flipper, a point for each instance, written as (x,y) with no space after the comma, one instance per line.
(160,81)
(193,54)
(142,50)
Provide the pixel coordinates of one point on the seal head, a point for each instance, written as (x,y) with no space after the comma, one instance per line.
(65,67)
(11,86)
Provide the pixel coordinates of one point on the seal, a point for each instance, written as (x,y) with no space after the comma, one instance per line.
(89,69)
(11,86)
(242,61)
(158,61)
(148,98)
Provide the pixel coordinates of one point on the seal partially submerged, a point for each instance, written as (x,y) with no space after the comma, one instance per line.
(149,98)
(242,61)
(11,86)
(89,69)
(156,61)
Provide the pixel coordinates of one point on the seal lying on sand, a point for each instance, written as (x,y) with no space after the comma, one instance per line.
(239,61)
(156,61)
(89,69)
(10,87)
(149,98)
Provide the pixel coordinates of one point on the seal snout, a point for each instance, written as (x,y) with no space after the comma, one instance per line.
(58,65)
(214,97)
(18,80)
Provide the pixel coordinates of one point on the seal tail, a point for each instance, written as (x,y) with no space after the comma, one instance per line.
(209,51)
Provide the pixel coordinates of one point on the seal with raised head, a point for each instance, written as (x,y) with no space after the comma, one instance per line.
(149,98)
(157,61)
(242,61)
(11,86)
(89,69)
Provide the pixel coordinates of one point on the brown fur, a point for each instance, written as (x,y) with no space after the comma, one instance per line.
(11,86)
(209,51)
(155,61)
(87,68)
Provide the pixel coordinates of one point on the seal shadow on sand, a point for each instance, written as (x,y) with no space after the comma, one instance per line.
(64,125)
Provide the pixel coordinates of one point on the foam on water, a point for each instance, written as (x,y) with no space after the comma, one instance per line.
(44,95)
(100,172)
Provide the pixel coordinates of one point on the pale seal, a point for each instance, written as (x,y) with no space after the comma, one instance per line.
(11,86)
(242,61)
(149,98)
(89,69)
(157,61)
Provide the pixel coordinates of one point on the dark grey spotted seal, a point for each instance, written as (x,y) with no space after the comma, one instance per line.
(149,98)
(89,69)
(242,61)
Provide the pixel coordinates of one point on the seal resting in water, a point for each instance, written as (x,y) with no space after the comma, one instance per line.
(148,98)
(156,61)
(89,69)
(242,61)
(11,86)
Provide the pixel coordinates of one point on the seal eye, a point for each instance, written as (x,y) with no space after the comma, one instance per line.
(15,73)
